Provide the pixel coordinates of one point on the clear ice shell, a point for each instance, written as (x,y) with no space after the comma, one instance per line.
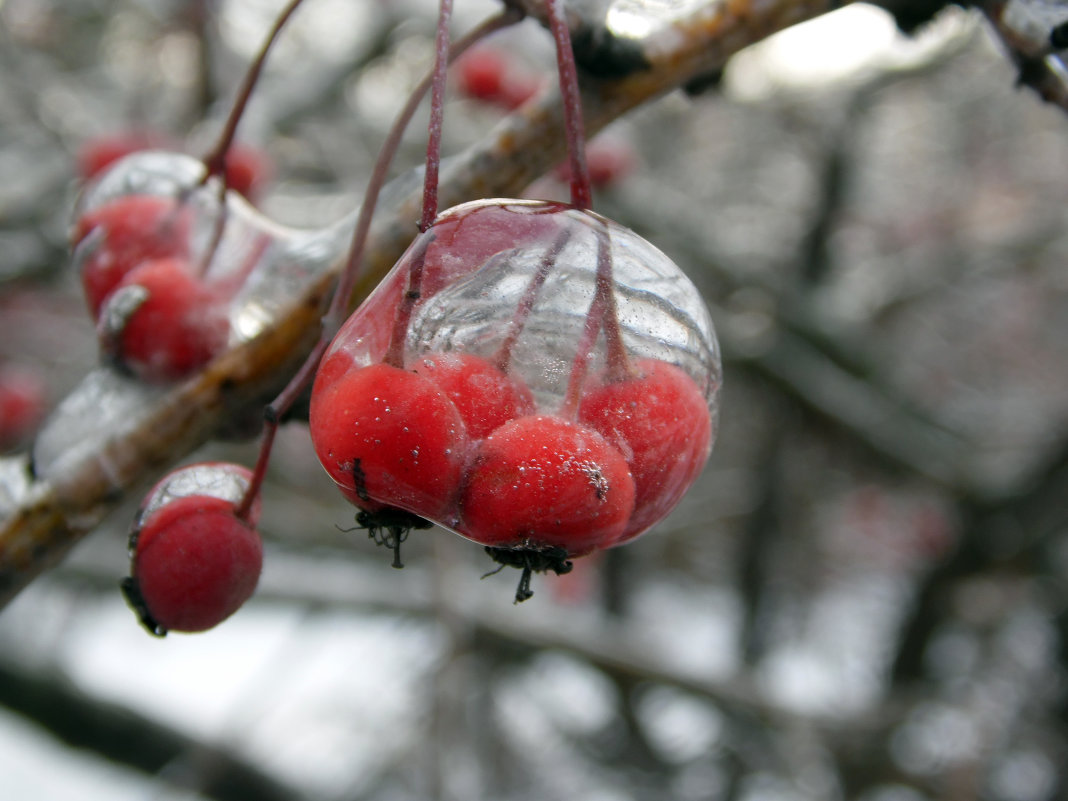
(261,265)
(517,284)
(214,479)
(472,286)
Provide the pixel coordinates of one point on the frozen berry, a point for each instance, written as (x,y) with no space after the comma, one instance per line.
(118,236)
(101,152)
(248,170)
(194,562)
(541,482)
(659,420)
(485,396)
(389,437)
(22,403)
(162,322)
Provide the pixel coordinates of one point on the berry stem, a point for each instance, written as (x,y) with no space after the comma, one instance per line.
(581,193)
(395,353)
(338,309)
(526,303)
(602,313)
(215,160)
(350,272)
(619,367)
(437,117)
(580,364)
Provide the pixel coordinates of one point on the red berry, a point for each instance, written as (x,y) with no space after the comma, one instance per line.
(608,161)
(117,237)
(659,420)
(389,437)
(22,403)
(485,396)
(248,170)
(517,90)
(195,563)
(489,75)
(162,322)
(101,152)
(480,73)
(541,482)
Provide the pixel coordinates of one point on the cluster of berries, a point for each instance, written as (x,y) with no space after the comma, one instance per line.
(248,169)
(532,376)
(144,243)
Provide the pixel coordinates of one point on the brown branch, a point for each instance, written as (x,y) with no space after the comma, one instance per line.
(48,516)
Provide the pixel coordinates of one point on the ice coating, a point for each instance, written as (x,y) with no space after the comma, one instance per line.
(88,423)
(221,480)
(551,330)
(469,305)
(253,265)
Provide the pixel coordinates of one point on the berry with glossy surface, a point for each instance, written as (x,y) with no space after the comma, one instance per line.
(193,561)
(122,234)
(388,437)
(659,420)
(99,153)
(162,322)
(541,482)
(485,396)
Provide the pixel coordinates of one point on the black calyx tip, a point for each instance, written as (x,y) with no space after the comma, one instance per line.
(389,527)
(531,559)
(132,593)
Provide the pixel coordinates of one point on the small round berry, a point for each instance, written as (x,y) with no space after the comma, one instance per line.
(248,170)
(195,563)
(101,152)
(23,397)
(541,482)
(162,322)
(480,73)
(118,236)
(486,397)
(389,437)
(659,420)
(608,160)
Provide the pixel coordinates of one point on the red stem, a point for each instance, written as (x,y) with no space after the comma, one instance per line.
(526,303)
(395,352)
(619,367)
(602,313)
(437,116)
(350,272)
(581,194)
(215,160)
